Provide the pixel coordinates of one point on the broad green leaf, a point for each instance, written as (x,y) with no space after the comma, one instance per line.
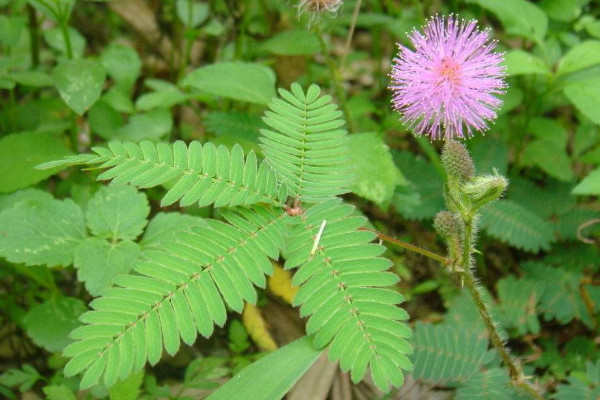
(58,392)
(152,125)
(41,231)
(104,120)
(79,82)
(519,17)
(122,63)
(562,10)
(128,389)
(56,10)
(520,62)
(32,78)
(585,95)
(21,152)
(549,130)
(119,99)
(590,185)
(117,212)
(192,13)
(272,376)
(579,57)
(11,29)
(549,157)
(55,39)
(161,99)
(289,43)
(36,195)
(376,173)
(511,99)
(166,226)
(50,323)
(98,262)
(254,83)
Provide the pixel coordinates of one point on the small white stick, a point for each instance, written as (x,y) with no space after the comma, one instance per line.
(318,239)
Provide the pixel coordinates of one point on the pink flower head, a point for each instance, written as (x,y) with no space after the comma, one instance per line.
(445,88)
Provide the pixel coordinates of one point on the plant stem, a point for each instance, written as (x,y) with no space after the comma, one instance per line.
(64,26)
(445,261)
(350,34)
(33,36)
(335,79)
(65,31)
(468,278)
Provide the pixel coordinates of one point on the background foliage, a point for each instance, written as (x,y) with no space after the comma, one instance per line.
(76,75)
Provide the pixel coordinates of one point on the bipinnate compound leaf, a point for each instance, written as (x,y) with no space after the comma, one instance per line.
(49,324)
(518,304)
(516,225)
(561,298)
(117,212)
(79,82)
(177,290)
(306,144)
(41,231)
(21,152)
(345,291)
(203,174)
(98,262)
(272,376)
(493,384)
(446,354)
(254,83)
(376,173)
(581,387)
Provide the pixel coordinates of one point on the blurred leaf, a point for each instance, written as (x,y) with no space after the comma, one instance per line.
(547,200)
(56,40)
(549,130)
(257,327)
(79,82)
(590,185)
(117,212)
(151,125)
(549,157)
(162,98)
(41,231)
(489,153)
(128,389)
(290,43)
(254,83)
(166,226)
(519,17)
(374,168)
(199,12)
(98,262)
(272,376)
(104,120)
(25,377)
(21,152)
(32,78)
(493,384)
(579,57)
(50,323)
(118,99)
(520,62)
(58,392)
(11,28)
(518,301)
(240,125)
(122,63)
(238,337)
(562,10)
(585,95)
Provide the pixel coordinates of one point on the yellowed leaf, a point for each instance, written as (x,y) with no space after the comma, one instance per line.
(257,328)
(280,284)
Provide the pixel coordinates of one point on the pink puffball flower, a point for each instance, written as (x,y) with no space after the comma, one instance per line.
(446,87)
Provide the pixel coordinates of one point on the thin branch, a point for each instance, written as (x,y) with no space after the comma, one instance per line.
(350,34)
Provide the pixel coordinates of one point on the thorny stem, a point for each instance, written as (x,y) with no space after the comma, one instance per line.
(468,278)
(335,79)
(350,34)
(445,261)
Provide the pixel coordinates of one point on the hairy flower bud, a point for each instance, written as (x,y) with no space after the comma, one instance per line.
(484,189)
(457,161)
(446,224)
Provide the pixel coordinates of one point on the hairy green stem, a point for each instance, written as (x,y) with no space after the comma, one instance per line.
(335,78)
(445,261)
(468,279)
